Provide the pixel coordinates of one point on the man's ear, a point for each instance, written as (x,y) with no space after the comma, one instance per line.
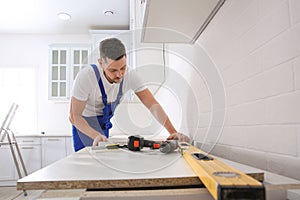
(100,63)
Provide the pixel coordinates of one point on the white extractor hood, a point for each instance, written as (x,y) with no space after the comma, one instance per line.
(177,21)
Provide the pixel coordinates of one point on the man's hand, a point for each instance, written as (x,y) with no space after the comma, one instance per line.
(179,136)
(99,138)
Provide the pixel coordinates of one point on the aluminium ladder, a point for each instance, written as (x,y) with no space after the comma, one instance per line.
(7,137)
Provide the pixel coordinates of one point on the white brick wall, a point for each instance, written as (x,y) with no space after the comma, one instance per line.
(256,46)
(297,73)
(246,114)
(276,139)
(298,140)
(204,120)
(266,29)
(284,109)
(282,48)
(295,14)
(244,69)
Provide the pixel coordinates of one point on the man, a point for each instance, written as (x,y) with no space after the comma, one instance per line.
(98,90)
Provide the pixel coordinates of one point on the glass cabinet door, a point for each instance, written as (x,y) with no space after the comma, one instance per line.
(65,63)
(58,72)
(80,58)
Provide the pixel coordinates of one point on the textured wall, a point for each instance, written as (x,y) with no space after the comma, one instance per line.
(255,44)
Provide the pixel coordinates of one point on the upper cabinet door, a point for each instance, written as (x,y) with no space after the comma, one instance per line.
(177,21)
(58,72)
(79,59)
(65,63)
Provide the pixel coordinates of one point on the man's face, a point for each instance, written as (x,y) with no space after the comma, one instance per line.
(114,70)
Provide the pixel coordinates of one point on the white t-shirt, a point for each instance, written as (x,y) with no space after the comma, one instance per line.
(86,88)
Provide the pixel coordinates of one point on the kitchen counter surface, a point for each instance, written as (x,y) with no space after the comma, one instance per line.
(95,167)
(101,168)
(44,135)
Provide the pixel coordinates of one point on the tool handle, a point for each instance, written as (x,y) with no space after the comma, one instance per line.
(151,144)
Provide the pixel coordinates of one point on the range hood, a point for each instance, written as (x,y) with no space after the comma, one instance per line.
(176,21)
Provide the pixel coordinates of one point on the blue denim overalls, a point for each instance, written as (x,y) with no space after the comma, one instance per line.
(101,123)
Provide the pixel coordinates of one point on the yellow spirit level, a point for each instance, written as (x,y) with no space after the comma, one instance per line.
(221,180)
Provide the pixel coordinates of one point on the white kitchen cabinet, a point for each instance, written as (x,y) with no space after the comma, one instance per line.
(64,64)
(37,152)
(58,72)
(7,166)
(170,26)
(53,149)
(69,146)
(32,157)
(30,148)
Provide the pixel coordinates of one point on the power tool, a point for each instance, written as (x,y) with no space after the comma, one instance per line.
(136,143)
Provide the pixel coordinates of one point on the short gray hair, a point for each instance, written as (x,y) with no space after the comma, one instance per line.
(112,48)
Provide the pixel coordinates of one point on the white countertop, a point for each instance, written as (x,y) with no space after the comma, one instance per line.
(89,164)
(44,135)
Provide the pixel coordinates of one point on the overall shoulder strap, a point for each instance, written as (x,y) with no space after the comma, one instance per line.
(120,93)
(104,97)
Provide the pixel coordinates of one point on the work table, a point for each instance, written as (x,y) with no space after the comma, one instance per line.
(102,169)
(91,168)
(95,168)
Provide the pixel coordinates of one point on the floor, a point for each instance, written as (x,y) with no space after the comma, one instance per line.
(10,193)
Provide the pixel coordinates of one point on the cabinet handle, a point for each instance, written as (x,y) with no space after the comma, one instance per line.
(27,147)
(53,139)
(28,140)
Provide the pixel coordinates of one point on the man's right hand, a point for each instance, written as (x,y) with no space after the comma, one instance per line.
(179,136)
(99,138)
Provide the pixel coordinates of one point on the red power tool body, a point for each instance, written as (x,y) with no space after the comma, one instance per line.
(136,143)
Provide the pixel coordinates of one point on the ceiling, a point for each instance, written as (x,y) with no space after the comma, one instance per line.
(40,16)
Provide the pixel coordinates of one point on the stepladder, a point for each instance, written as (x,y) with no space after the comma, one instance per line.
(7,137)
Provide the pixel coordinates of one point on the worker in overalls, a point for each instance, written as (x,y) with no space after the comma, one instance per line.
(97,90)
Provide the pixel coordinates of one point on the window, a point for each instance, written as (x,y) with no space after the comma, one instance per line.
(18,85)
(65,63)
